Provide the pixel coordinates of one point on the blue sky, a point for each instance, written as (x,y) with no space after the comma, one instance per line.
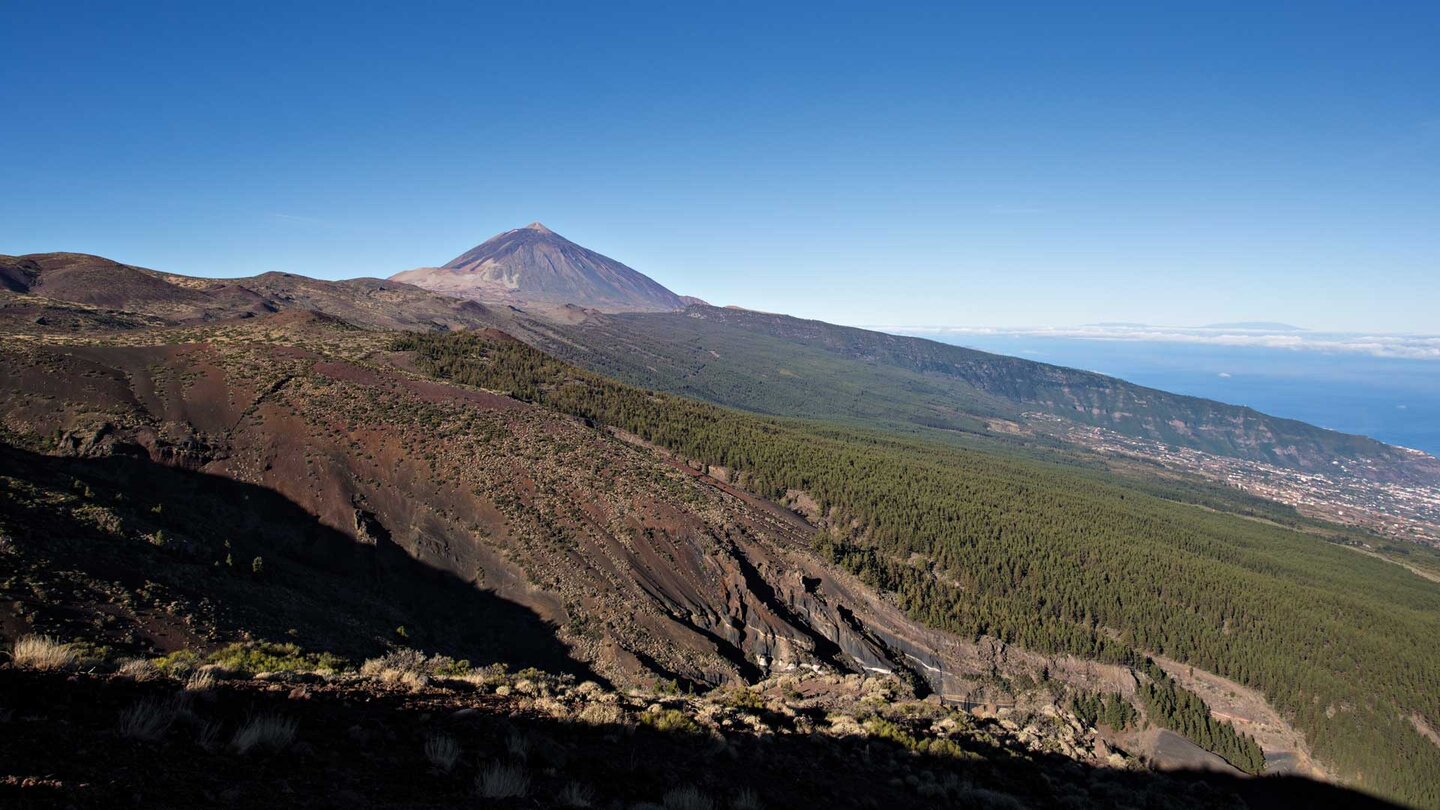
(949,164)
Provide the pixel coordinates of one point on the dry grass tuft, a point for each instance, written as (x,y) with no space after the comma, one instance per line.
(746,799)
(518,744)
(575,794)
(43,652)
(442,751)
(140,669)
(147,720)
(413,681)
(265,731)
(201,680)
(687,798)
(207,734)
(502,781)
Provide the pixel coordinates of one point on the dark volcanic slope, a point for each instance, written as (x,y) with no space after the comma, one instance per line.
(261,439)
(784,365)
(535,265)
(79,278)
(71,290)
(371,302)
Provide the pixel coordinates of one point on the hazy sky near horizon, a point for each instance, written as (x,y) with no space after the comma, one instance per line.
(947,164)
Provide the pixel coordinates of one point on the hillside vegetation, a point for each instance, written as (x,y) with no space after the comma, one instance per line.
(1056,559)
(780,365)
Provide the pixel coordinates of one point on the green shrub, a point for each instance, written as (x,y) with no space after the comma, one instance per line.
(415,664)
(264,656)
(943,747)
(446,667)
(739,698)
(670,720)
(886,729)
(177,662)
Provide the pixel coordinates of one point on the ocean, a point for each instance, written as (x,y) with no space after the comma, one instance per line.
(1393,400)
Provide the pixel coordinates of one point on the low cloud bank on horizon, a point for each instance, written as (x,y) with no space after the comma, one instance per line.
(1404,346)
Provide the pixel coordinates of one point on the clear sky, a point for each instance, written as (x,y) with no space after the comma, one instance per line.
(962,163)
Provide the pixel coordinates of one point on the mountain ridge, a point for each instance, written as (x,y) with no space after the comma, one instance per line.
(46,288)
(728,355)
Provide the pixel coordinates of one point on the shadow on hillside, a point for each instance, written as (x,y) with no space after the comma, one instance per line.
(314,585)
(356,748)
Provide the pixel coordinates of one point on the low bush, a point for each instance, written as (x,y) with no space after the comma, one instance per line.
(670,720)
(415,669)
(601,714)
(738,697)
(178,663)
(262,656)
(885,729)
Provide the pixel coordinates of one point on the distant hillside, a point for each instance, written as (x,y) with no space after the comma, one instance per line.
(789,366)
(763,362)
(534,265)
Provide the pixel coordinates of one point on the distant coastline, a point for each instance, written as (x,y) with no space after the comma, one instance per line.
(1249,334)
(1395,399)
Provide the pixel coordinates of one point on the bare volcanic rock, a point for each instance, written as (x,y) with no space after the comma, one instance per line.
(534,265)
